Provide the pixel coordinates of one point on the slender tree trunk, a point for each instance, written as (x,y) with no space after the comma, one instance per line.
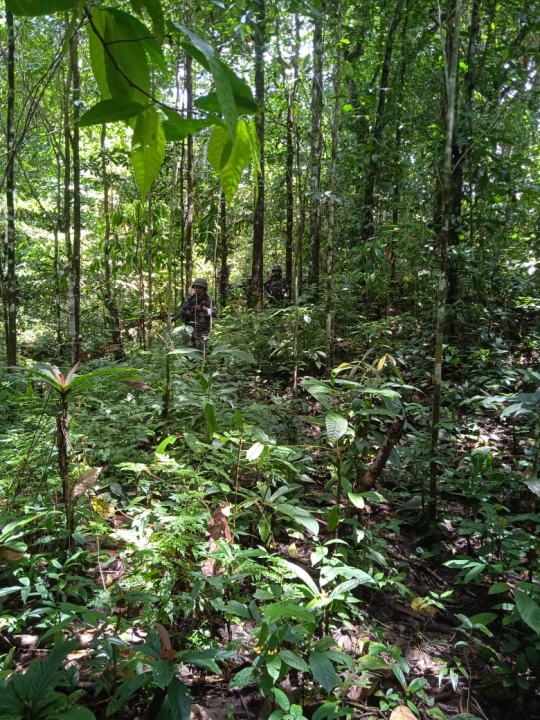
(258,221)
(110,299)
(190,209)
(74,248)
(301,226)
(462,142)
(315,162)
(56,257)
(332,188)
(451,88)
(63,466)
(393,288)
(289,169)
(368,219)
(10,279)
(224,251)
(142,291)
(66,215)
(150,265)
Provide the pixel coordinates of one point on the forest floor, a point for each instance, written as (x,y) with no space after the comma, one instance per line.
(433,634)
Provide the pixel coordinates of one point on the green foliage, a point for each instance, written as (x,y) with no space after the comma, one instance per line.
(34,694)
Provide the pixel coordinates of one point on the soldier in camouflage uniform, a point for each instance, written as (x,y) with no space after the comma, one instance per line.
(197,313)
(276,288)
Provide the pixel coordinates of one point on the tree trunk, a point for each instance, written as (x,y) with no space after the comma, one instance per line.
(460,151)
(10,278)
(315,161)
(110,299)
(451,83)
(257,265)
(190,205)
(224,251)
(63,467)
(368,218)
(150,266)
(74,248)
(331,192)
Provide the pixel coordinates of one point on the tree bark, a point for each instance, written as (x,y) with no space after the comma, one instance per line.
(224,251)
(451,87)
(10,279)
(381,458)
(257,264)
(331,189)
(190,204)
(150,267)
(74,248)
(315,160)
(368,221)
(110,299)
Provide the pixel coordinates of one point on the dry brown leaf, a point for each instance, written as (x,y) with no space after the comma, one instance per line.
(9,554)
(402,712)
(86,480)
(217,529)
(138,385)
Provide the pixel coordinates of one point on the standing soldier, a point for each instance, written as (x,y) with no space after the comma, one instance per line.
(276,288)
(197,313)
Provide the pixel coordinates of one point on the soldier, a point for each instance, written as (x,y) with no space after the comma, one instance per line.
(197,312)
(276,288)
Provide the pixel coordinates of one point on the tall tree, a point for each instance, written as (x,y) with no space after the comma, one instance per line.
(73,245)
(190,177)
(331,189)
(316,151)
(451,89)
(9,282)
(257,264)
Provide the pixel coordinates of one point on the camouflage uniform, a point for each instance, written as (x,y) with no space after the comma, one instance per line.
(276,288)
(195,315)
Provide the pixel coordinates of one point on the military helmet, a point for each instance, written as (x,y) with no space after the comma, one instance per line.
(201,283)
(276,267)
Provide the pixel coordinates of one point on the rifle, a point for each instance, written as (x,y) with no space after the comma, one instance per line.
(188,304)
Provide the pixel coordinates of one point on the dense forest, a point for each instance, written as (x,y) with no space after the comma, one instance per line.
(270,429)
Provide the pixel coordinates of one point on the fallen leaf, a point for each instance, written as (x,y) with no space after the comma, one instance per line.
(86,480)
(402,712)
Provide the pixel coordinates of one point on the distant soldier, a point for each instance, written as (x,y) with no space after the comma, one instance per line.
(197,312)
(276,288)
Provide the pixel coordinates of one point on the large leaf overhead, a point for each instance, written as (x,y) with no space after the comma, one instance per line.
(229,159)
(148,149)
(33,8)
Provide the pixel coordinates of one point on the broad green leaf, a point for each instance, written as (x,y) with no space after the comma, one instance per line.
(219,148)
(179,700)
(293,660)
(534,485)
(75,713)
(499,587)
(163,672)
(147,149)
(323,670)
(221,77)
(357,500)
(9,590)
(238,608)
(210,103)
(210,417)
(140,35)
(243,677)
(122,70)
(299,573)
(202,658)
(344,588)
(155,11)
(281,699)
(300,515)
(111,110)
(528,609)
(229,160)
(33,8)
(177,127)
(336,426)
(333,518)
(125,691)
(273,666)
(278,612)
